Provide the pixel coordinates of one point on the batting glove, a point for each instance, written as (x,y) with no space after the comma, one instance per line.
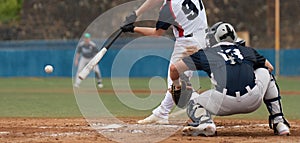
(128,28)
(130,19)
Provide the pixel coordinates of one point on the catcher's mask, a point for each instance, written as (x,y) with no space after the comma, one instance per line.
(220,32)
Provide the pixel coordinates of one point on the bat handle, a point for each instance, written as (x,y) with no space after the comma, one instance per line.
(113,39)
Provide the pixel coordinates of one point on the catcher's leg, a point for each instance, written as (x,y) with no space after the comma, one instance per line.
(272,99)
(202,121)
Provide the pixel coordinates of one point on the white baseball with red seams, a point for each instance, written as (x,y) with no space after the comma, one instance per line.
(48,69)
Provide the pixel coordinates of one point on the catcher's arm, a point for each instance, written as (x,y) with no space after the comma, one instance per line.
(181,89)
(269,66)
(176,69)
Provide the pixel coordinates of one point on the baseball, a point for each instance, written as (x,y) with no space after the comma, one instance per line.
(48,69)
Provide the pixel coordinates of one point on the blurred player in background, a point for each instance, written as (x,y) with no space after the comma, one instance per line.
(86,50)
(188,20)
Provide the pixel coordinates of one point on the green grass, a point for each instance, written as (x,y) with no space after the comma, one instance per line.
(289,83)
(54,97)
(290,109)
(10,10)
(37,97)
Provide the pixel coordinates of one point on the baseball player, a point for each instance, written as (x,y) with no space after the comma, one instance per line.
(241,77)
(188,20)
(87,49)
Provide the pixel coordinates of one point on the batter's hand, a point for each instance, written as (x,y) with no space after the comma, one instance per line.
(130,19)
(128,28)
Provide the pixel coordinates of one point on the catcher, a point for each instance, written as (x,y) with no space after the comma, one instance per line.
(241,77)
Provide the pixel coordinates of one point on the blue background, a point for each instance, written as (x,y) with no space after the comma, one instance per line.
(28,58)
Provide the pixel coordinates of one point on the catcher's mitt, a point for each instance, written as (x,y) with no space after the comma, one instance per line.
(183,95)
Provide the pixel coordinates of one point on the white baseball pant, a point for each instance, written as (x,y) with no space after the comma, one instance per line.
(222,105)
(179,52)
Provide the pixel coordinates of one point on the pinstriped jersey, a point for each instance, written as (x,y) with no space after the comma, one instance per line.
(186,16)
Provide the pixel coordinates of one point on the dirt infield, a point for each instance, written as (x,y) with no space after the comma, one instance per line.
(78,130)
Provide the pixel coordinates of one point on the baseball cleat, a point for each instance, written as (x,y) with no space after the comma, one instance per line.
(154,120)
(205,129)
(282,129)
(100,85)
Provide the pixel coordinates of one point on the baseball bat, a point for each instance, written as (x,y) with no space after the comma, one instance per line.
(95,60)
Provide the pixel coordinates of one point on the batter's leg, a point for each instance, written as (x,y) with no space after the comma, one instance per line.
(167,104)
(160,115)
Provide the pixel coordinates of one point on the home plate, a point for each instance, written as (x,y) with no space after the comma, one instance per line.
(136,133)
(111,126)
(4,133)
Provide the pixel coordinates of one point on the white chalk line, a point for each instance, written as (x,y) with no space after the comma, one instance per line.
(113,127)
(4,133)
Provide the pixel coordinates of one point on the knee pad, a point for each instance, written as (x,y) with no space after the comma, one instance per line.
(197,113)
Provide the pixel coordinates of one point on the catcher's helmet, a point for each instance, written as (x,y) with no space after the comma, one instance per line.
(220,32)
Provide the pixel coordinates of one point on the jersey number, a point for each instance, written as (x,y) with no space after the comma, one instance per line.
(232,56)
(190,9)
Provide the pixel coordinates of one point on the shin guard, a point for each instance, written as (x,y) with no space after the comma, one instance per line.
(198,114)
(274,105)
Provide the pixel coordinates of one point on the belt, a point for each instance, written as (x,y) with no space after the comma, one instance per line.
(233,93)
(189,35)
